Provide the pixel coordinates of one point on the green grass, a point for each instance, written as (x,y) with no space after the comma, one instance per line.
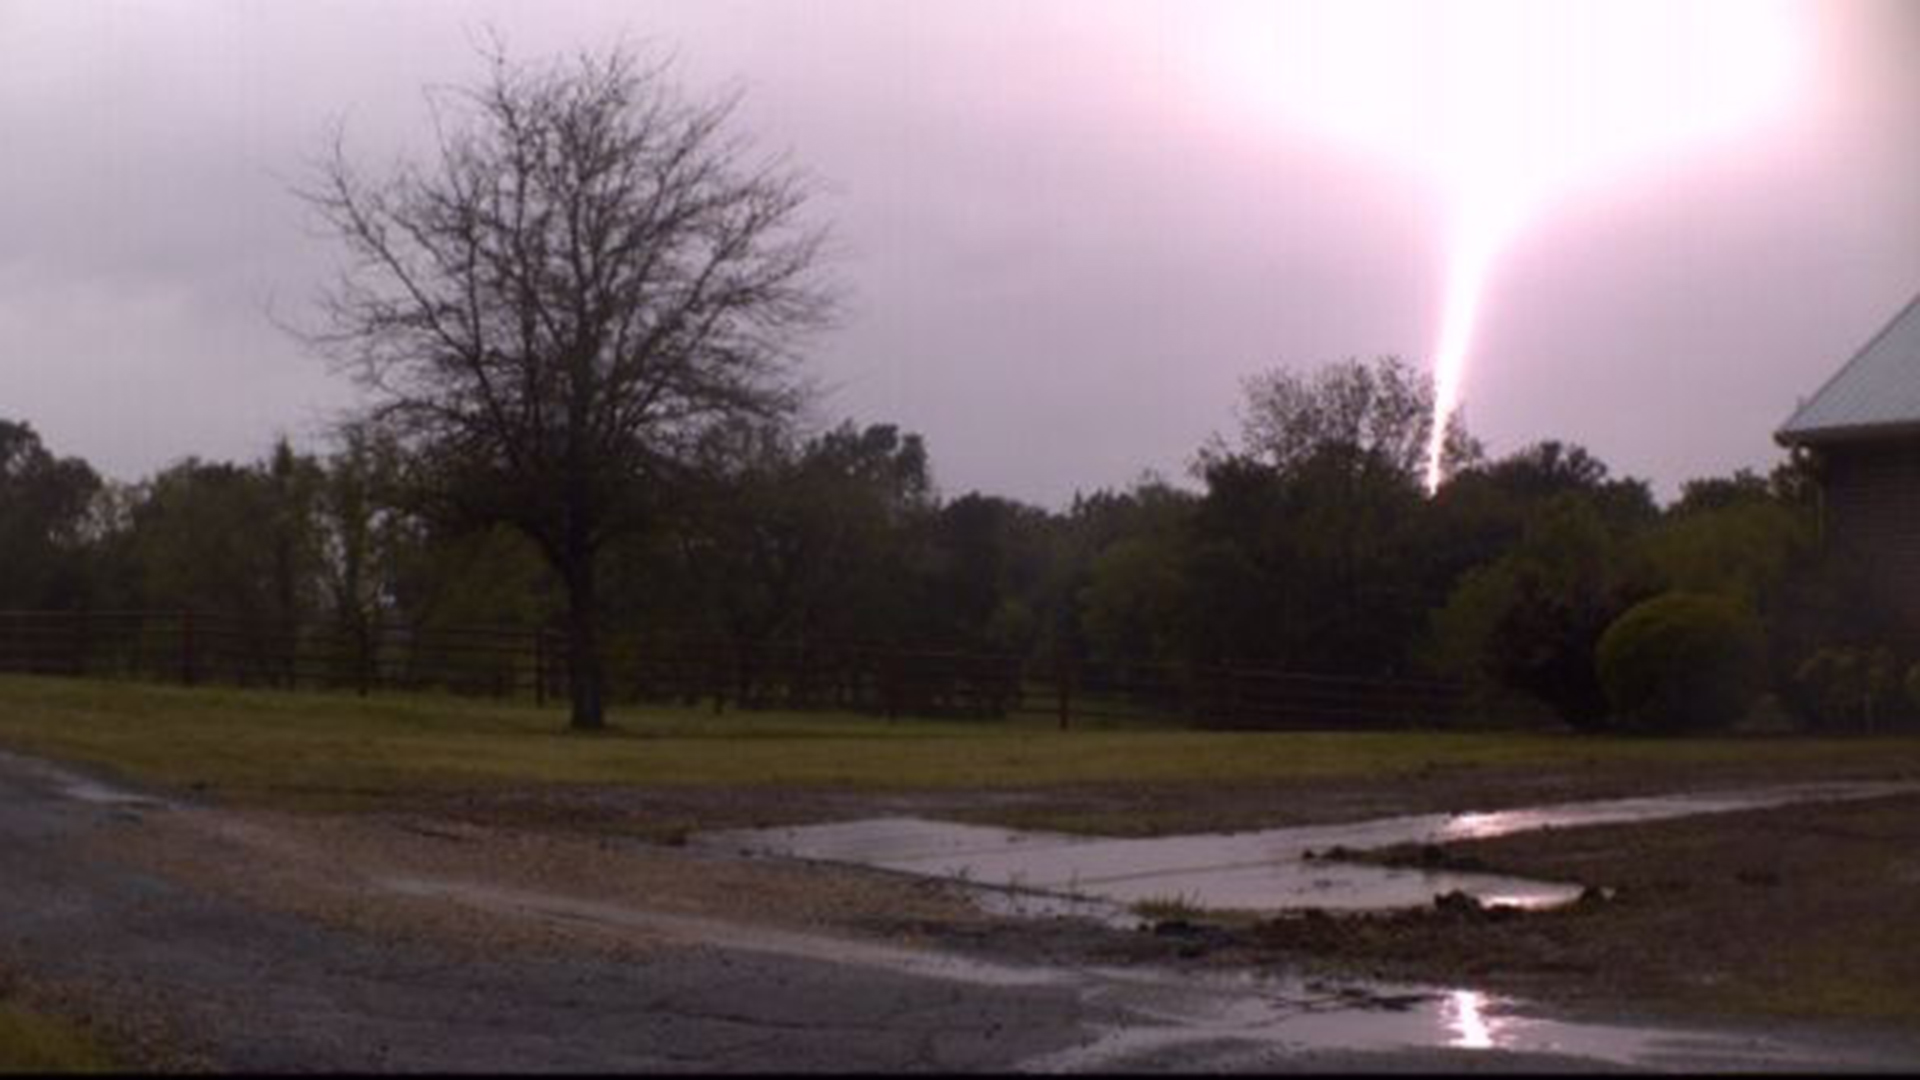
(32,1043)
(286,747)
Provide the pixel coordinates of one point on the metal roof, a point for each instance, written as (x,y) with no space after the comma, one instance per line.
(1877,392)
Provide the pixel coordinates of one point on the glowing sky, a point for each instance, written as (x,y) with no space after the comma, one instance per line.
(1070,227)
(1509,106)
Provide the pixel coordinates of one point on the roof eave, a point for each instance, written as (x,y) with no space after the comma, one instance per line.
(1852,433)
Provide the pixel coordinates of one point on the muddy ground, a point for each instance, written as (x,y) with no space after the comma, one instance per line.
(1802,911)
(671,814)
(472,931)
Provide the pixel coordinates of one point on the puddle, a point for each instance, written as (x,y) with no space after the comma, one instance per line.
(1153,1017)
(1254,1022)
(1265,871)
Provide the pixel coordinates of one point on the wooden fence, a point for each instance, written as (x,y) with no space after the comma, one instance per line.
(189,648)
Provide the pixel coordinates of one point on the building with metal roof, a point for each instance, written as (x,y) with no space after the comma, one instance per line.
(1876,394)
(1862,432)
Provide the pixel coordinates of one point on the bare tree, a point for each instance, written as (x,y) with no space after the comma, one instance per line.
(1382,410)
(585,274)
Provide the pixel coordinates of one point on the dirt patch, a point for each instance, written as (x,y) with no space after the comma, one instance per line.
(1805,911)
(670,814)
(1147,810)
(337,869)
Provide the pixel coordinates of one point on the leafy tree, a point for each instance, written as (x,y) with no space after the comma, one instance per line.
(980,570)
(799,544)
(1757,540)
(112,572)
(869,490)
(1850,686)
(804,542)
(1235,566)
(1720,492)
(1530,620)
(549,314)
(232,541)
(1545,470)
(1481,516)
(291,491)
(492,578)
(1133,601)
(1312,541)
(1794,481)
(44,516)
(356,527)
(1130,551)
(1740,547)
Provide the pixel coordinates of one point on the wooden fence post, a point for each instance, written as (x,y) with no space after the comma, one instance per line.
(187,666)
(540,666)
(363,641)
(890,685)
(1063,685)
(81,643)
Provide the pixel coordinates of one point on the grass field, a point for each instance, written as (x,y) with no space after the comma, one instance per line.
(319,749)
(34,1043)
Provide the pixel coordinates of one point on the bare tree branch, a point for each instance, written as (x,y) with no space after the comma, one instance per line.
(586,275)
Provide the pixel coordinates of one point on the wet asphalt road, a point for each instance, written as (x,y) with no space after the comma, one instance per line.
(249,989)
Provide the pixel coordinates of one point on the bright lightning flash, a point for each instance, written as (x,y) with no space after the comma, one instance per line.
(1471,256)
(1507,106)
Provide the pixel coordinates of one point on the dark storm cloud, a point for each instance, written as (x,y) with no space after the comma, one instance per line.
(1062,251)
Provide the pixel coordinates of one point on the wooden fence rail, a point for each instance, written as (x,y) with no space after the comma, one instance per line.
(193,648)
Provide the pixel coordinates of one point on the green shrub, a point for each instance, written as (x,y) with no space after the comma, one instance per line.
(1853,687)
(1828,686)
(1681,661)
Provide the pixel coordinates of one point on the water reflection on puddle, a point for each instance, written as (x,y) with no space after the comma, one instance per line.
(1260,1023)
(1272,870)
(1470,1027)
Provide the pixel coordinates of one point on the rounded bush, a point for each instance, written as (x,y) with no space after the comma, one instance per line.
(1680,662)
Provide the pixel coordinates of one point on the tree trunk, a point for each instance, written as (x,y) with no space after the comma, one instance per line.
(585,676)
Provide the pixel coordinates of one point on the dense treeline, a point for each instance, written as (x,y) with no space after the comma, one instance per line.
(1306,543)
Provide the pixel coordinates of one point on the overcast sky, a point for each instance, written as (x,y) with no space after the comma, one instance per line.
(1068,231)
